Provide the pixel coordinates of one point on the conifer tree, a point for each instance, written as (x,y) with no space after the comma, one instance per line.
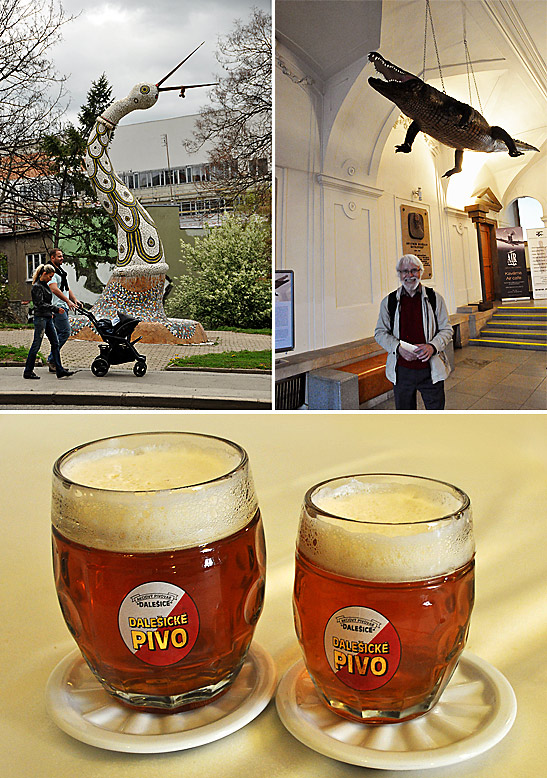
(76,217)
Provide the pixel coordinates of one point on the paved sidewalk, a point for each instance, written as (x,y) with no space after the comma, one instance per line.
(159,388)
(81,353)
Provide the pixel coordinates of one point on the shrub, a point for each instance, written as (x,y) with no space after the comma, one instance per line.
(229,280)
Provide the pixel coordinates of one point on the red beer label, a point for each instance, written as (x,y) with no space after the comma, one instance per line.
(159,623)
(362,647)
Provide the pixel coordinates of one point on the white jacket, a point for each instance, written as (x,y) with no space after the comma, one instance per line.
(440,367)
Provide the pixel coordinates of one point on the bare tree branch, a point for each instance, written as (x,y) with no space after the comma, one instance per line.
(31,91)
(238,120)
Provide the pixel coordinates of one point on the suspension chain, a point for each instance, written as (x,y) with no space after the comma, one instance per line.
(428,13)
(469,64)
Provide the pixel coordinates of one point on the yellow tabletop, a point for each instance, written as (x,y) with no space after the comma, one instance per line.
(500,460)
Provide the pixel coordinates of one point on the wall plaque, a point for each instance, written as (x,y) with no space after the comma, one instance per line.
(415,235)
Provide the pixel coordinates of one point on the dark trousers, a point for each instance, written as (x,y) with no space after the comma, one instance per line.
(410,382)
(43,326)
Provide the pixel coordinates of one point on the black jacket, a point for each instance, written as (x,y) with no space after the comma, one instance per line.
(41,298)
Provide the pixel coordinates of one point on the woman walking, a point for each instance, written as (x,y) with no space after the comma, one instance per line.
(43,322)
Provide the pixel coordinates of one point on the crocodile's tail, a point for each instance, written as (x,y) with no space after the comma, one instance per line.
(522,146)
(500,145)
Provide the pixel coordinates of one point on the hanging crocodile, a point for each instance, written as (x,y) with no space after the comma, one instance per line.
(442,117)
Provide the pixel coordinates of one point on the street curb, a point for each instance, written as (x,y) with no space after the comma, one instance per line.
(133,400)
(189,369)
(6,363)
(15,363)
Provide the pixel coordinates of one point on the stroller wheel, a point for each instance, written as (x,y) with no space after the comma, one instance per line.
(99,367)
(139,368)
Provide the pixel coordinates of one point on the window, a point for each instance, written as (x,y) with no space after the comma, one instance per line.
(33,260)
(258,167)
(131,180)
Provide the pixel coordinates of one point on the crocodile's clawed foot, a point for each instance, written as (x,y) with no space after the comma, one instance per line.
(406,148)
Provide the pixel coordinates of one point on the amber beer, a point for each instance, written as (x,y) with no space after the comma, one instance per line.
(383,592)
(159,563)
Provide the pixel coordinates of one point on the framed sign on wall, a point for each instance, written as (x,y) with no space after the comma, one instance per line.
(284,310)
(415,235)
(512,263)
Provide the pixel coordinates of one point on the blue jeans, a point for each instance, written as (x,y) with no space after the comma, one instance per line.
(43,325)
(62,326)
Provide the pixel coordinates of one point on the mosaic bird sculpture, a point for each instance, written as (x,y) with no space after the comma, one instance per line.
(137,282)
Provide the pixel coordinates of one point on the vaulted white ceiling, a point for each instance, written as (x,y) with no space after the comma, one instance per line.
(507,43)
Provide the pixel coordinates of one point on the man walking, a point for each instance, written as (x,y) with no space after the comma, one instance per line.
(63,299)
(414,328)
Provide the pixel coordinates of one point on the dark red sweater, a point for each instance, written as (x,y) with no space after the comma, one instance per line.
(411,326)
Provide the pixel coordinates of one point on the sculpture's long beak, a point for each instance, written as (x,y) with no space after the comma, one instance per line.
(175,69)
(182,88)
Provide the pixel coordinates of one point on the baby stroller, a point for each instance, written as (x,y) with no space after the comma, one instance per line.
(117,347)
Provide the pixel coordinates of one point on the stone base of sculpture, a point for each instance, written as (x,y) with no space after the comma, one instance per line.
(140,296)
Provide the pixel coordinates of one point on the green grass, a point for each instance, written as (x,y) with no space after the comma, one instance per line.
(250,360)
(4,325)
(16,354)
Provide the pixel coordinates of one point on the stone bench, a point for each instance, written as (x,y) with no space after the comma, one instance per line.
(371,376)
(346,387)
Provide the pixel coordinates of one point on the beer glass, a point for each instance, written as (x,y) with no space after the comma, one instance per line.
(383,592)
(159,562)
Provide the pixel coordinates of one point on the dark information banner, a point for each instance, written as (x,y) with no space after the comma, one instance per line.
(512,262)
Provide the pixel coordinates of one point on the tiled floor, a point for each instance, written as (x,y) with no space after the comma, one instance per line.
(493,379)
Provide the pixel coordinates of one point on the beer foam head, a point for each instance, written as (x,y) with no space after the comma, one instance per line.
(152,492)
(387,528)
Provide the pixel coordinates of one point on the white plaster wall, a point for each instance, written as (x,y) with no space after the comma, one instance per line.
(297,203)
(454,250)
(466,282)
(531,182)
(351,282)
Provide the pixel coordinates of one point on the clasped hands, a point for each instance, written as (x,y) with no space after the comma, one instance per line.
(424,352)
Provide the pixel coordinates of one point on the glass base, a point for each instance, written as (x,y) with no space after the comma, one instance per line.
(174,703)
(377,717)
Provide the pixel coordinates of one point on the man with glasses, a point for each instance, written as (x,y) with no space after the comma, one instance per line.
(413,327)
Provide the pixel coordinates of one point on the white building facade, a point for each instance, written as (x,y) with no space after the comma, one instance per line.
(151,159)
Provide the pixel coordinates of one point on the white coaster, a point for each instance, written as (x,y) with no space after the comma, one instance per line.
(80,706)
(476,710)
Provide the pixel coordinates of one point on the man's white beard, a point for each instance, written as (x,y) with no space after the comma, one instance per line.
(411,284)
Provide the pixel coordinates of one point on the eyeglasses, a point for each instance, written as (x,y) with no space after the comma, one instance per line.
(415,271)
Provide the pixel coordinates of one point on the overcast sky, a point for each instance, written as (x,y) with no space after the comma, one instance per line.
(134,40)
